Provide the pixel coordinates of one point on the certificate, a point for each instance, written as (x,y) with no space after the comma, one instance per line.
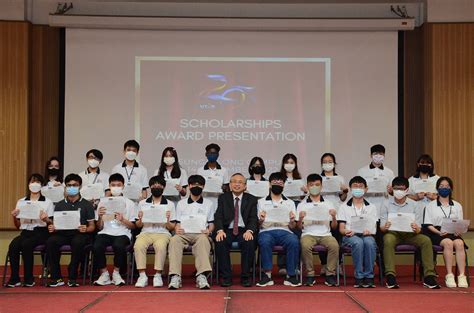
(316,214)
(170,188)
(193,224)
(29,210)
(258,189)
(55,194)
(452,226)
(155,214)
(92,191)
(280,215)
(133,191)
(331,184)
(213,184)
(113,205)
(377,185)
(401,221)
(293,188)
(65,220)
(424,186)
(361,223)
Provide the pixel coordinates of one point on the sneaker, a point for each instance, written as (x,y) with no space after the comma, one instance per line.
(72,283)
(142,281)
(175,282)
(157,281)
(265,281)
(310,281)
(292,281)
(56,283)
(462,281)
(449,281)
(391,282)
(368,283)
(103,280)
(201,282)
(282,272)
(13,283)
(358,283)
(117,279)
(29,283)
(330,281)
(430,282)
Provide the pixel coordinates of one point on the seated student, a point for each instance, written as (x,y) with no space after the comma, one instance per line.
(114,231)
(400,203)
(318,232)
(133,172)
(278,233)
(171,170)
(76,238)
(446,207)
(157,235)
(362,244)
(202,211)
(93,174)
(33,233)
(424,173)
(53,172)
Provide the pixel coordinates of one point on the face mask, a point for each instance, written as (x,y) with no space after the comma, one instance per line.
(196,191)
(423,168)
(289,167)
(116,191)
(357,192)
(35,187)
(93,163)
(169,160)
(314,190)
(258,170)
(277,189)
(53,171)
(399,194)
(156,192)
(212,157)
(131,155)
(72,191)
(327,167)
(444,192)
(378,158)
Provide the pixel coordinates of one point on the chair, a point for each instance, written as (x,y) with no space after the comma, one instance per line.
(278,250)
(347,251)
(109,251)
(38,250)
(405,249)
(317,249)
(233,249)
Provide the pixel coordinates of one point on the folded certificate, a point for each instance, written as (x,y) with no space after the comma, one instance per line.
(280,215)
(213,184)
(92,191)
(331,184)
(155,214)
(452,226)
(54,194)
(293,188)
(317,214)
(424,186)
(377,185)
(361,223)
(29,210)
(401,221)
(132,191)
(65,220)
(170,188)
(193,224)
(258,189)
(114,205)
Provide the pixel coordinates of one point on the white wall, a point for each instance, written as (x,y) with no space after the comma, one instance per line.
(440,11)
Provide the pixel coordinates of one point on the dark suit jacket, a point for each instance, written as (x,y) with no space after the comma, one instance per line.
(225,212)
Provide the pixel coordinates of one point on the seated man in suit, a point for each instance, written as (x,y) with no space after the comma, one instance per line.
(236,220)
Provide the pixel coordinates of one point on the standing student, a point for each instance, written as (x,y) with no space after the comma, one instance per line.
(34,232)
(328,166)
(53,172)
(289,168)
(171,171)
(93,174)
(424,174)
(435,212)
(257,169)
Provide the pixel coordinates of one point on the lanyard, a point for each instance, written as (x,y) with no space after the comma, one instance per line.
(95,178)
(444,213)
(362,211)
(131,172)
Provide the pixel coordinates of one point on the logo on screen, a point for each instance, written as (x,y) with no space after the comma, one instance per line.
(224,93)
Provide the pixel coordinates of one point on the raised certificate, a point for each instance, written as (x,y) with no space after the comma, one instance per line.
(293,188)
(113,205)
(452,226)
(66,220)
(258,189)
(401,221)
(170,188)
(193,224)
(155,214)
(361,223)
(213,185)
(55,194)
(92,191)
(28,210)
(132,191)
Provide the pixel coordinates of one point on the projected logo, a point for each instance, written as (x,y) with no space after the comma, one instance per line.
(225,94)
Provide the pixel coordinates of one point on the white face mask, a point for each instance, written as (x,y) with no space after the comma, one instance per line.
(93,163)
(399,194)
(378,158)
(116,191)
(34,187)
(327,167)
(169,160)
(131,155)
(289,167)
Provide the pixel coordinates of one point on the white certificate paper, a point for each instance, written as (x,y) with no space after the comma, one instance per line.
(452,226)
(155,214)
(293,188)
(361,223)
(279,215)
(170,188)
(317,214)
(401,221)
(55,194)
(258,189)
(376,185)
(133,191)
(92,191)
(65,220)
(29,210)
(193,224)
(424,186)
(331,184)
(113,205)
(213,184)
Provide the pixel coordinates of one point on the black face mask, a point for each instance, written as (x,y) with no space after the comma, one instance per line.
(258,170)
(156,192)
(196,191)
(277,189)
(423,168)
(53,171)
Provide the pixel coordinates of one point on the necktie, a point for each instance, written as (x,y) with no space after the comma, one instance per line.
(235,229)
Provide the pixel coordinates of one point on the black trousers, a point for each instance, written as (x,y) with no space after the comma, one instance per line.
(24,244)
(119,245)
(247,257)
(76,240)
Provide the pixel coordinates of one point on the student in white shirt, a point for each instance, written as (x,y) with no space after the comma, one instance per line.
(53,172)
(93,174)
(289,168)
(424,173)
(157,235)
(114,231)
(257,169)
(328,166)
(133,172)
(171,170)
(435,212)
(34,232)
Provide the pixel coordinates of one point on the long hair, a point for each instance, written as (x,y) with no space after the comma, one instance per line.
(286,157)
(59,178)
(176,171)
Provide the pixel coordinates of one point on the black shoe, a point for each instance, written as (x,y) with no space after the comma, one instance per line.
(292,281)
(56,283)
(430,282)
(331,281)
(29,283)
(310,281)
(368,283)
(391,282)
(359,283)
(72,283)
(246,282)
(12,283)
(226,283)
(265,281)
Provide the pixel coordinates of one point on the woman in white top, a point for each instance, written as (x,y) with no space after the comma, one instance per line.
(423,177)
(289,168)
(171,171)
(435,212)
(328,166)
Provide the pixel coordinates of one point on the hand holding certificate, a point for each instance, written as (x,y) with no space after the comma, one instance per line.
(29,210)
(113,205)
(170,188)
(193,224)
(213,185)
(133,191)
(92,191)
(66,220)
(376,185)
(401,221)
(359,224)
(453,226)
(258,189)
(155,214)
(54,194)
(331,185)
(424,186)
(317,215)
(293,188)
(278,215)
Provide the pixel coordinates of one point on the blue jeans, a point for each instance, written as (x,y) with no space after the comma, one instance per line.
(364,250)
(277,237)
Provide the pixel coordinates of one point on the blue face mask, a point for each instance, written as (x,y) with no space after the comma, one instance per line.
(444,192)
(212,157)
(72,190)
(357,192)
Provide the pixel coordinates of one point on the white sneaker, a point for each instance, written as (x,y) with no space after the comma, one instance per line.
(201,282)
(462,281)
(104,279)
(175,282)
(117,279)
(157,281)
(142,281)
(449,280)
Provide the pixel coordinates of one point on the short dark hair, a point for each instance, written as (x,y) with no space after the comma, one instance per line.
(36,177)
(252,163)
(213,146)
(131,143)
(358,180)
(96,153)
(314,177)
(157,180)
(193,179)
(74,177)
(116,177)
(378,148)
(400,181)
(277,176)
